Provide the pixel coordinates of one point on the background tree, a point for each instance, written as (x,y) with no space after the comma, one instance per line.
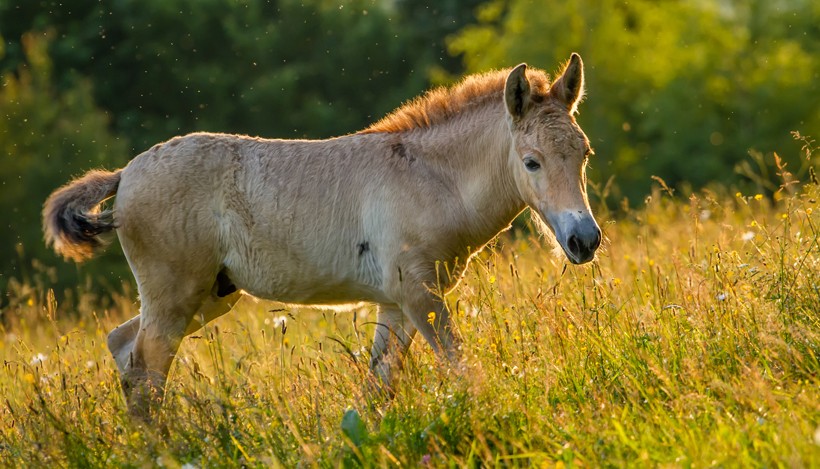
(46,137)
(286,68)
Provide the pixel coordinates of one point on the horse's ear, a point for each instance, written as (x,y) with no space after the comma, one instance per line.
(517,92)
(569,87)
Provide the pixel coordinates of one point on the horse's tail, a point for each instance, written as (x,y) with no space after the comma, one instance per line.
(72,220)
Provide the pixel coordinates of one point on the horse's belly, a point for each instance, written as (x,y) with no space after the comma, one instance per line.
(290,281)
(309,293)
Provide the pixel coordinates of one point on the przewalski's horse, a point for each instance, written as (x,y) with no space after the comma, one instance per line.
(368,217)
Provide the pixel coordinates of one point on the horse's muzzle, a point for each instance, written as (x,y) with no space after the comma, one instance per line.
(577,233)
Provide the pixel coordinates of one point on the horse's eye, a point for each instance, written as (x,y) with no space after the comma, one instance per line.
(531,164)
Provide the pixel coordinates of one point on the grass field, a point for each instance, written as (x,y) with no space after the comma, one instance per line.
(693,340)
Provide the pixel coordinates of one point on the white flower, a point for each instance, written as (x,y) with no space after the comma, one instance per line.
(705,215)
(37,359)
(721,296)
(188,465)
(748,236)
(280,321)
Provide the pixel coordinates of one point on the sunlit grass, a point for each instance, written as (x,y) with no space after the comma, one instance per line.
(693,340)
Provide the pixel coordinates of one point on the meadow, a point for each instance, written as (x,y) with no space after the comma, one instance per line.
(692,341)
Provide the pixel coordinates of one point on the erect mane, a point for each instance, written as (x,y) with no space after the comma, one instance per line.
(439,104)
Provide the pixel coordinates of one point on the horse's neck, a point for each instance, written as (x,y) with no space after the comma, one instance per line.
(474,150)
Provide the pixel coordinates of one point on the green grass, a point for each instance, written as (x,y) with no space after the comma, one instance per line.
(693,340)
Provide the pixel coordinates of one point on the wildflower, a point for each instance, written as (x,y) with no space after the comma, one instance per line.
(280,321)
(748,236)
(721,296)
(431,317)
(808,211)
(758,196)
(492,279)
(738,195)
(38,359)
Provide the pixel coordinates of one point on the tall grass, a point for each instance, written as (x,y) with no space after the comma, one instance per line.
(693,340)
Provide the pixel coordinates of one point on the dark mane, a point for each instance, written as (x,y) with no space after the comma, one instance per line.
(440,104)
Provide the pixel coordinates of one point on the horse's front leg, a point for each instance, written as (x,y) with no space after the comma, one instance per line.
(428,313)
(394,334)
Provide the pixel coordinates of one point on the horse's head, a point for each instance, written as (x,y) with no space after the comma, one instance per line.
(549,156)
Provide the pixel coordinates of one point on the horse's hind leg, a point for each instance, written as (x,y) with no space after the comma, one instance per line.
(144,346)
(121,339)
(162,325)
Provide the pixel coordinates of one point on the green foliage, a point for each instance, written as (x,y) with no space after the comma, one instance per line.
(280,69)
(46,137)
(676,89)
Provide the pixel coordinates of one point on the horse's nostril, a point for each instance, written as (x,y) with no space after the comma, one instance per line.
(574,245)
(597,241)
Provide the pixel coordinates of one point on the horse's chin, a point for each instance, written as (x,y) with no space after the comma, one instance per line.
(576,260)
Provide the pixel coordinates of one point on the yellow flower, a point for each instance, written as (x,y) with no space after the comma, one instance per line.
(758,196)
(431,317)
(492,278)
(738,194)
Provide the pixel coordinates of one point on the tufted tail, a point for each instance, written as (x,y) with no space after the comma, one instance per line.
(72,220)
